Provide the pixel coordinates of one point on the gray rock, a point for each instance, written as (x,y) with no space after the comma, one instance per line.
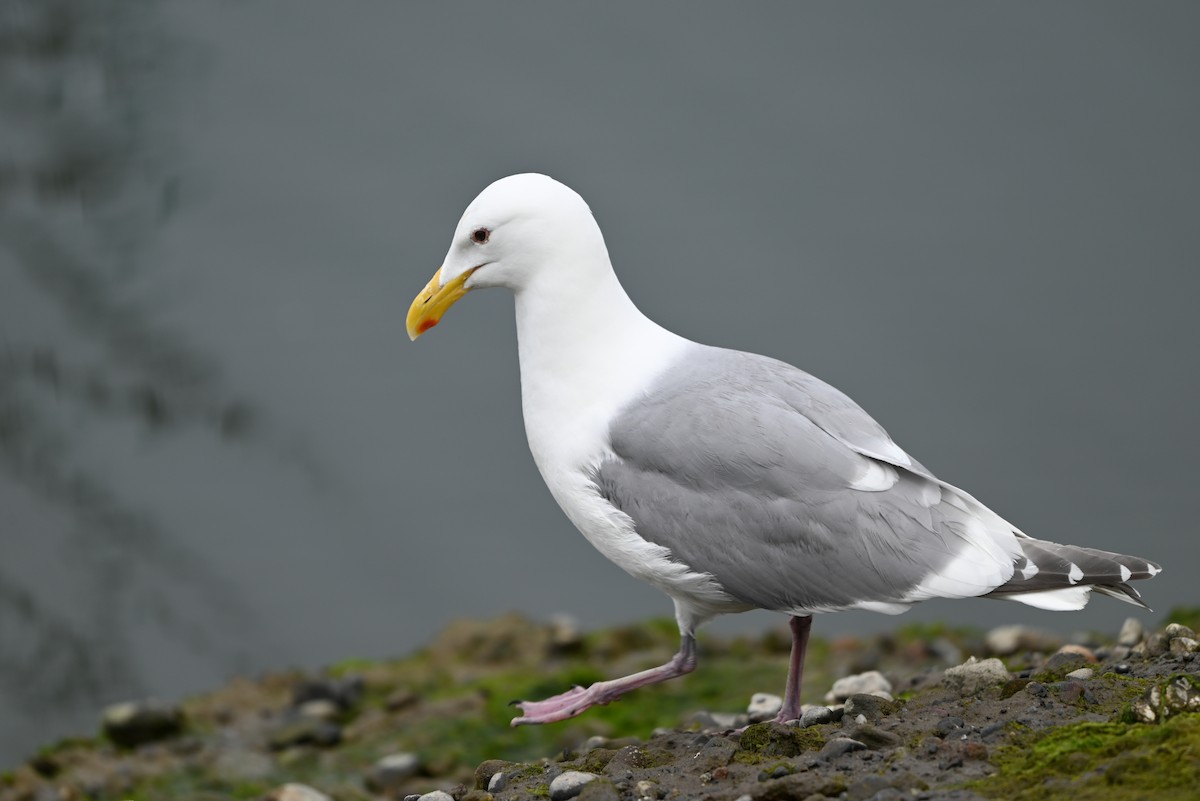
(869,707)
(569,784)
(817,716)
(871,683)
(840,745)
(138,722)
(1005,640)
(437,795)
(974,675)
(391,771)
(763,706)
(1157,644)
(294,791)
(1132,632)
(1081,674)
(497,783)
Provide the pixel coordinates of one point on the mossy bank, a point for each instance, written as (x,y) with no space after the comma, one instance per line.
(1117,716)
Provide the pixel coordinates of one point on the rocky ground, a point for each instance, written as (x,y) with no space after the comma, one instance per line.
(924,713)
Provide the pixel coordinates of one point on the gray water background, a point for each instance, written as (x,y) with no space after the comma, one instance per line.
(219,454)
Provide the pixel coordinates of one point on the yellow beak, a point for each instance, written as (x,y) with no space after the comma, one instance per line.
(428,307)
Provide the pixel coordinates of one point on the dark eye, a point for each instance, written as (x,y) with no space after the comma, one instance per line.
(480,235)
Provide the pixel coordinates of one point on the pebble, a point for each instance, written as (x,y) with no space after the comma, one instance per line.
(763,706)
(1081,674)
(294,791)
(646,789)
(436,795)
(840,745)
(1132,632)
(320,709)
(818,715)
(497,783)
(1079,650)
(1122,667)
(870,683)
(1006,640)
(1178,694)
(974,675)
(391,771)
(869,707)
(569,784)
(947,725)
(138,722)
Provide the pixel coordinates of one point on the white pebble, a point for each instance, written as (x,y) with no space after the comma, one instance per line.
(870,683)
(763,706)
(1082,673)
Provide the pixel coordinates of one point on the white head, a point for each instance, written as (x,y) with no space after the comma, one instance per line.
(520,231)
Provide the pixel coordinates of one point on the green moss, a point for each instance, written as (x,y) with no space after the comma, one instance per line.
(764,741)
(1100,761)
(540,790)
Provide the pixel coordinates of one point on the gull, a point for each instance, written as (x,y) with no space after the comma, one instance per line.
(729,480)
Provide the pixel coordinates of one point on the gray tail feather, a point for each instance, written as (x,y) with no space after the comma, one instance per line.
(1050,566)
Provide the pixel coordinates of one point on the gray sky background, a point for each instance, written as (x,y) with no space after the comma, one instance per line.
(980,221)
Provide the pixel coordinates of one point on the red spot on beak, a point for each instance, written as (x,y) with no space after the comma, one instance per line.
(426,325)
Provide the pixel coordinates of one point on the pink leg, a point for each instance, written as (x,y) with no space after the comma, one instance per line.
(575,701)
(791,695)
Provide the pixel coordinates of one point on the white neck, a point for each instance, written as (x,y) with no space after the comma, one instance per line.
(580,324)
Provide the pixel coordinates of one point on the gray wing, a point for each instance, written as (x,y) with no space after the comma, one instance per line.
(790,495)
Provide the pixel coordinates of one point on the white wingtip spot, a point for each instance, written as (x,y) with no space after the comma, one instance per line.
(1075,574)
(1153,569)
(1125,573)
(1029,571)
